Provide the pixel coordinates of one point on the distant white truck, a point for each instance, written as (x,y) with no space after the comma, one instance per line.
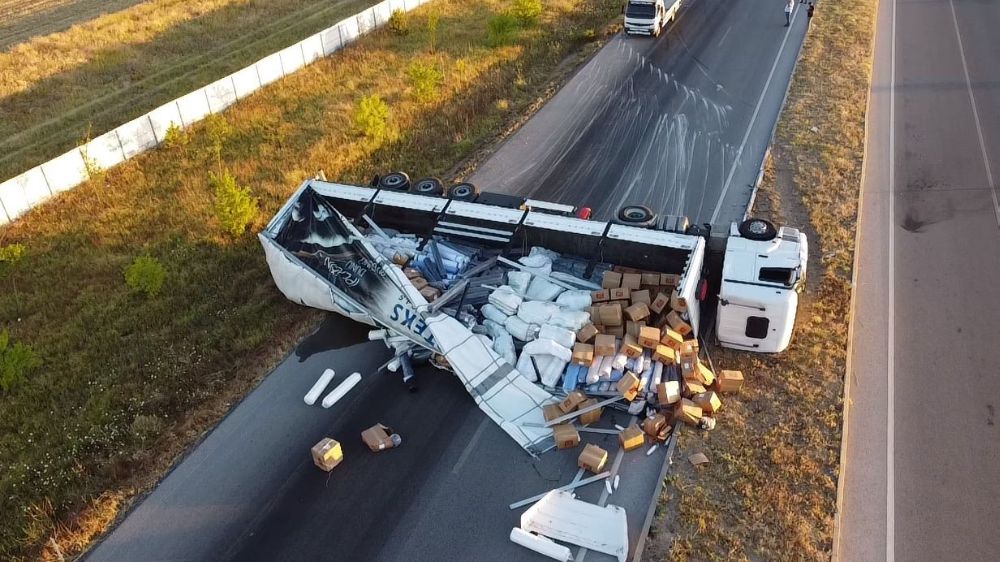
(649,17)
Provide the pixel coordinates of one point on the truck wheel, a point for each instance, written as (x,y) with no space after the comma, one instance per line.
(758,229)
(397,181)
(428,186)
(464,191)
(636,215)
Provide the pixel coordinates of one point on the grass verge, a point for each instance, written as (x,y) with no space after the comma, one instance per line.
(770,492)
(130,378)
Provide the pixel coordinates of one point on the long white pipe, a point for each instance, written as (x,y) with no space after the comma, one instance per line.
(313,395)
(541,545)
(341,390)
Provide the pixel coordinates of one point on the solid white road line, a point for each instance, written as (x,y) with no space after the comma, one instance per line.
(890,348)
(753,119)
(724,35)
(975,113)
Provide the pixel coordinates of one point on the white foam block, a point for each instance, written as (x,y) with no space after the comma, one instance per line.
(65,171)
(221,94)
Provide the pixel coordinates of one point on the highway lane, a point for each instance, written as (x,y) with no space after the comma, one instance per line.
(680,124)
(920,480)
(249,491)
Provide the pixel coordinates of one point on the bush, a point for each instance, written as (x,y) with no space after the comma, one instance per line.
(11,254)
(16,361)
(399,23)
(502,28)
(372,117)
(175,137)
(235,206)
(145,275)
(219,131)
(426,78)
(527,12)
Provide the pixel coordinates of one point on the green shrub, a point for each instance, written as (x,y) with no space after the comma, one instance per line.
(16,361)
(371,117)
(145,275)
(399,22)
(11,254)
(425,78)
(502,28)
(527,12)
(235,206)
(219,131)
(176,137)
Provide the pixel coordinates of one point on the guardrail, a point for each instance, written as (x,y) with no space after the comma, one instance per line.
(64,172)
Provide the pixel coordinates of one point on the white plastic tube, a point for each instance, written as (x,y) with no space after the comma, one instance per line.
(341,390)
(313,395)
(541,545)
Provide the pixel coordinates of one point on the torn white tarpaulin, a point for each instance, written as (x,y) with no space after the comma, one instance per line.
(508,398)
(559,516)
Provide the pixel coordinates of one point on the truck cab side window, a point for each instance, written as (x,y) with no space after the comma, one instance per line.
(757,327)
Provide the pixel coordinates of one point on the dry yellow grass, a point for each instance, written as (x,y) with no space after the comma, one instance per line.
(770,491)
(128,381)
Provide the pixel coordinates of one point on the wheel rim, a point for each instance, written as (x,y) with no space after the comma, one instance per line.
(757,227)
(393,180)
(425,186)
(634,214)
(462,191)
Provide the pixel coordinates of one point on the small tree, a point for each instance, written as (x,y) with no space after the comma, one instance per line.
(501,28)
(425,78)
(399,22)
(145,275)
(372,117)
(175,137)
(527,12)
(16,362)
(235,206)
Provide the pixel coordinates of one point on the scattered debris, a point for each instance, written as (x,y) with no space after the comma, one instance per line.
(652,449)
(327,454)
(617,480)
(318,388)
(341,390)
(592,458)
(540,544)
(698,459)
(571,486)
(560,516)
(607,486)
(380,437)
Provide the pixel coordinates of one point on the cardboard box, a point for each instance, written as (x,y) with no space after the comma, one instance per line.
(632,438)
(688,412)
(729,381)
(689,363)
(611,280)
(592,416)
(620,294)
(640,296)
(668,392)
(632,281)
(566,436)
(649,337)
(677,303)
(632,328)
(625,269)
(572,400)
(592,458)
(650,279)
(630,346)
(583,354)
(704,375)
(708,402)
(637,311)
(378,437)
(690,346)
(551,411)
(622,304)
(595,313)
(628,386)
(692,387)
(678,324)
(419,282)
(430,293)
(601,328)
(604,345)
(672,339)
(611,315)
(410,273)
(671,279)
(664,355)
(654,424)
(659,303)
(616,331)
(600,296)
(327,454)
(586,333)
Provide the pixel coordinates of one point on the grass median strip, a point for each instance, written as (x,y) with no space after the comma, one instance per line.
(150,317)
(770,493)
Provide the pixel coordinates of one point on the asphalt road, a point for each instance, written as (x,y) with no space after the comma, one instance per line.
(923,446)
(680,124)
(250,491)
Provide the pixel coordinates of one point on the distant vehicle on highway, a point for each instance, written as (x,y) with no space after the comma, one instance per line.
(649,17)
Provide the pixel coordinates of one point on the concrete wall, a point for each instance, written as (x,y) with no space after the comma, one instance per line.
(21,193)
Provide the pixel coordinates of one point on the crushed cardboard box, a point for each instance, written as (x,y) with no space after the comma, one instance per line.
(654,424)
(708,401)
(379,437)
(586,333)
(551,412)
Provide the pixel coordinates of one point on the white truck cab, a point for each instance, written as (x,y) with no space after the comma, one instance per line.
(763,271)
(649,17)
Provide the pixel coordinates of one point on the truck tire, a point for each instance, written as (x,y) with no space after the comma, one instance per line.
(464,191)
(428,186)
(757,229)
(396,181)
(636,215)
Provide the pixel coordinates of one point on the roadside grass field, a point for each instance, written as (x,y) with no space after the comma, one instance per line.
(58,90)
(130,378)
(21,20)
(770,490)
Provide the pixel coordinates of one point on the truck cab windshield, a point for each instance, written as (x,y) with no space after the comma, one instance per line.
(640,11)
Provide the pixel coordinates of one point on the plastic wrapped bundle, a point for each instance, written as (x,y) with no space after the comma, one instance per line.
(572,320)
(491,312)
(574,300)
(544,252)
(618,361)
(537,264)
(594,372)
(519,281)
(542,290)
(503,342)
(606,368)
(572,377)
(520,329)
(536,312)
(562,336)
(505,299)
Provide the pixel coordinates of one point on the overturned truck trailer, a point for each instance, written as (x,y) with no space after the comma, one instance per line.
(324,250)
